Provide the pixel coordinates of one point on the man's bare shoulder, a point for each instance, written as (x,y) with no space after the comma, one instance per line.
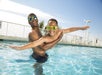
(33,33)
(30,33)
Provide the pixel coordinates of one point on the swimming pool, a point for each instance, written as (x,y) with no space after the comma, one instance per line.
(63,60)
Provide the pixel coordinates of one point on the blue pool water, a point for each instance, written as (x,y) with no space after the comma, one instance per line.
(63,60)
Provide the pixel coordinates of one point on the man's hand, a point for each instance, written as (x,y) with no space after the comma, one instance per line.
(84,27)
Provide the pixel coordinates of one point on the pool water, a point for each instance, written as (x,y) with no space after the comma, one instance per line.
(63,60)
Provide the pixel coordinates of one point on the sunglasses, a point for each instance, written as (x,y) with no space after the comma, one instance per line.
(51,28)
(32,18)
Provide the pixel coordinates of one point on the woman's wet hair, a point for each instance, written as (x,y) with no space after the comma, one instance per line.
(52,19)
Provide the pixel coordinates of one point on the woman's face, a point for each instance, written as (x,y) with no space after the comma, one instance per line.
(53,27)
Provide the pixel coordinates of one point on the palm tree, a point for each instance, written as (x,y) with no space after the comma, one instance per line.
(41,25)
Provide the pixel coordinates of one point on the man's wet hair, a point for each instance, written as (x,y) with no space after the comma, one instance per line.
(31,14)
(52,19)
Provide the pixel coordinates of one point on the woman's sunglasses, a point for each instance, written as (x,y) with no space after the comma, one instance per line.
(51,28)
(32,18)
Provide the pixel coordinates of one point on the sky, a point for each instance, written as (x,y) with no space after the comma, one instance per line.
(71,13)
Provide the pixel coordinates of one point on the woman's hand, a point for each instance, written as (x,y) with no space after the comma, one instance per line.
(15,47)
(84,27)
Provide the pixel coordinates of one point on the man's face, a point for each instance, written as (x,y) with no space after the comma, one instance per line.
(32,19)
(52,27)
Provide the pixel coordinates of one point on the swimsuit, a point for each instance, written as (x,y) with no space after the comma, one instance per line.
(39,58)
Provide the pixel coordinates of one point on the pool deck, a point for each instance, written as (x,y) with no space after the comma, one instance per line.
(10,38)
(81,45)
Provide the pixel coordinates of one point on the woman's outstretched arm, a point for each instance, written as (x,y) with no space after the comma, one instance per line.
(72,29)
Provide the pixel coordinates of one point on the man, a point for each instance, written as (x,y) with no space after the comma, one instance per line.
(38,52)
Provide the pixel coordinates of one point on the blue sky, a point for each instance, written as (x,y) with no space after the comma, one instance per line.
(72,12)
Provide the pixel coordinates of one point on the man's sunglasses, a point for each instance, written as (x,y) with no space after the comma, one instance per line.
(51,28)
(32,18)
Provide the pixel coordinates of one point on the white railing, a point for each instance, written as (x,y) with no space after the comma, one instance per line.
(14,29)
(77,40)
